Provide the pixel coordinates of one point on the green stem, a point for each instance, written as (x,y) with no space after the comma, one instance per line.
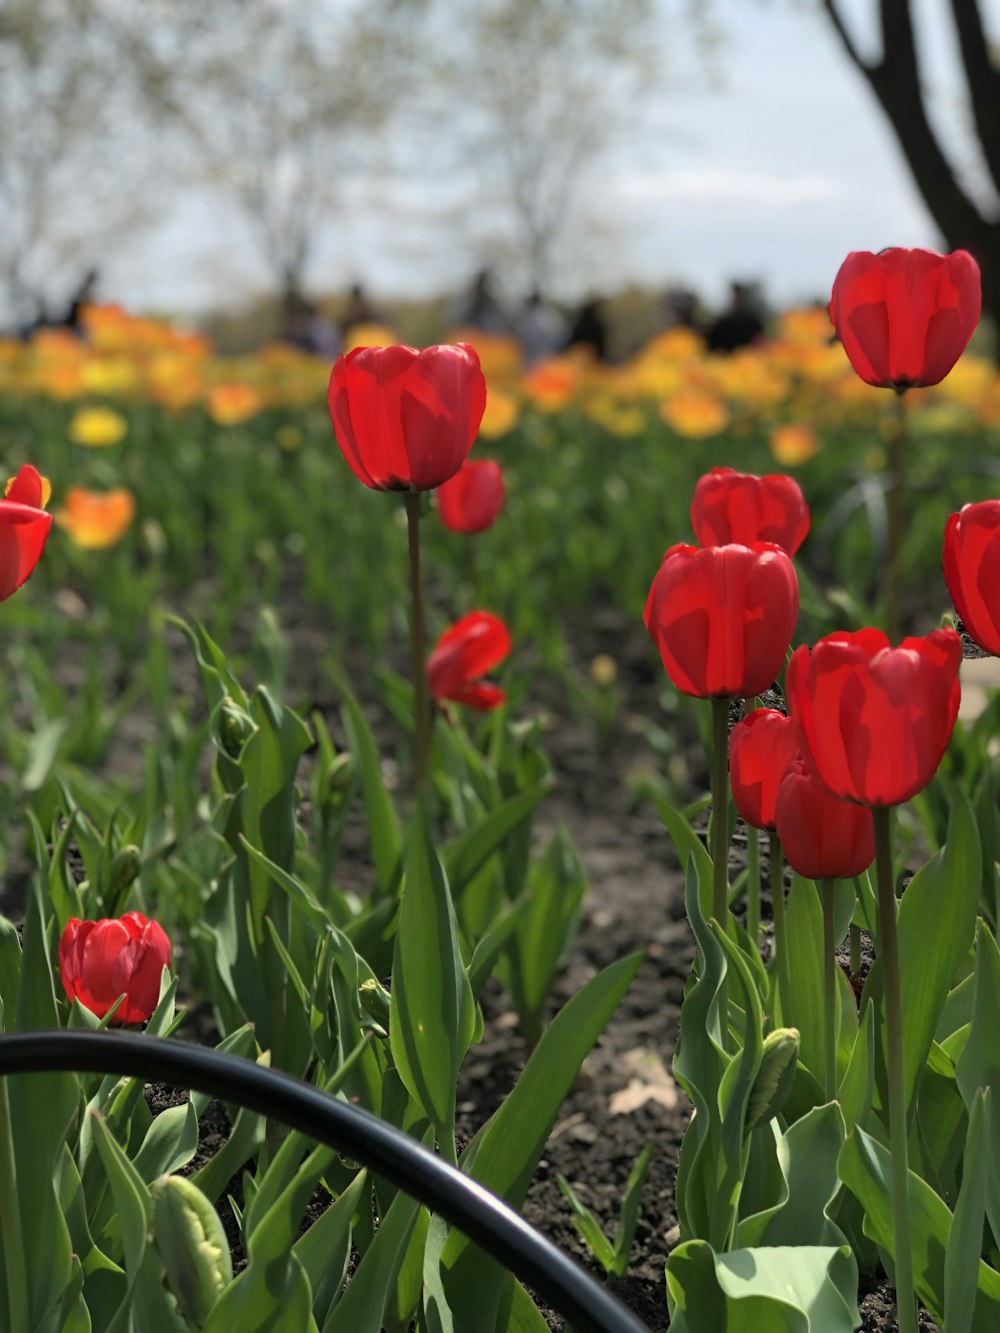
(894,504)
(720,839)
(418,649)
(753,885)
(780,962)
(720,810)
(829,993)
(889,952)
(10,1222)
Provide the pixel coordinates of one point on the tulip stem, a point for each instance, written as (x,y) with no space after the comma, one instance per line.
(897,486)
(889,951)
(418,649)
(782,979)
(11,1235)
(829,992)
(720,838)
(753,885)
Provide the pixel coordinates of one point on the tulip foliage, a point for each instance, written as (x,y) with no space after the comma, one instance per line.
(337,878)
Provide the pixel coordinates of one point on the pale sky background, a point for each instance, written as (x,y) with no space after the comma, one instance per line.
(774,175)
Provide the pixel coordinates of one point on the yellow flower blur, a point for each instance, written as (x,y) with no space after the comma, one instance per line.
(695,414)
(793,444)
(97,427)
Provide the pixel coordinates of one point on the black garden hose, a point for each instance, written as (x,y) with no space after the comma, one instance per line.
(449,1193)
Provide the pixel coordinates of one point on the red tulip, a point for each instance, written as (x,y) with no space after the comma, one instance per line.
(100,960)
(24,528)
(822,836)
(874,721)
(905,316)
(471,500)
(760,748)
(733,506)
(405,419)
(722,617)
(972,570)
(474,645)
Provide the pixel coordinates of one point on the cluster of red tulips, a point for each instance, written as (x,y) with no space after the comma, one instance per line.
(867,722)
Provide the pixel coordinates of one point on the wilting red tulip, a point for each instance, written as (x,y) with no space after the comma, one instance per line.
(905,316)
(405,419)
(972,570)
(875,721)
(733,506)
(24,528)
(471,500)
(760,748)
(100,960)
(822,836)
(474,645)
(722,617)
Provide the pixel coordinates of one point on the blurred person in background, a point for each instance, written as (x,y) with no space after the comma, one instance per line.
(681,309)
(310,331)
(479,307)
(740,323)
(359,310)
(540,328)
(589,329)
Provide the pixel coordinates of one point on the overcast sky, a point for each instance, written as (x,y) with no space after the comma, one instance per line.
(773,175)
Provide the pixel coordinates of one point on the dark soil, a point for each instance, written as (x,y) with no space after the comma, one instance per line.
(635,902)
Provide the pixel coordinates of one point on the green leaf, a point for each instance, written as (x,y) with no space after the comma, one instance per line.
(132,1205)
(588,1227)
(10,966)
(865,1168)
(979,1064)
(804,924)
(776,1289)
(505,1153)
(807,1156)
(325,1248)
(43,1108)
(432,1011)
(965,1241)
(855,1095)
(362,1306)
(383,822)
(465,855)
(556,887)
(936,926)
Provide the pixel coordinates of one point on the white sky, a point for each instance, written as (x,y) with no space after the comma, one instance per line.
(775,175)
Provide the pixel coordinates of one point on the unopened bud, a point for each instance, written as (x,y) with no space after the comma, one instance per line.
(188,1235)
(340,773)
(235,727)
(125,869)
(774,1077)
(375,1002)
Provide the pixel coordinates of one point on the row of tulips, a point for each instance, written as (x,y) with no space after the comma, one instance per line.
(866,729)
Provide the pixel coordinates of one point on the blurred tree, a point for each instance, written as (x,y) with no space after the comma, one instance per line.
(966,221)
(534,95)
(272,103)
(68,158)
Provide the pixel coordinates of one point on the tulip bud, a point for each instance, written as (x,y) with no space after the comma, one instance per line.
(375,1001)
(235,727)
(125,870)
(340,773)
(774,1077)
(189,1238)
